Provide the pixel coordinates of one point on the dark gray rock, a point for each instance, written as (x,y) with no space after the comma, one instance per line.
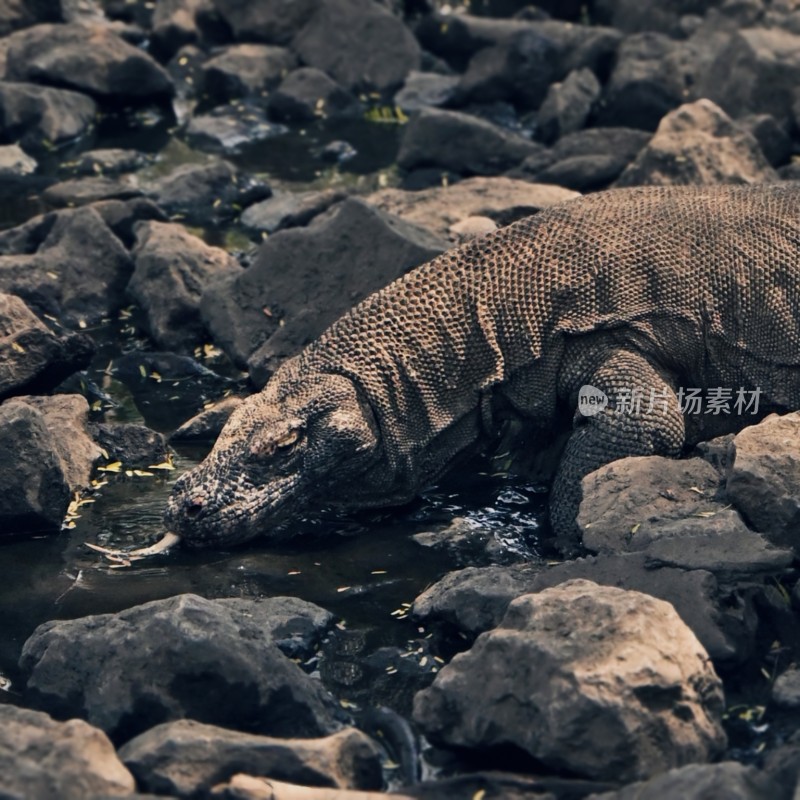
(91,265)
(627,503)
(567,105)
(245,70)
(230,129)
(307,94)
(519,70)
(41,759)
(183,657)
(729,779)
(698,143)
(451,140)
(360,44)
(625,143)
(426,89)
(771,136)
(786,689)
(123,215)
(40,117)
(581,173)
(632,16)
(306,278)
(16,14)
(172,270)
(474,599)
(208,194)
(628,693)
(645,83)
(32,357)
(90,59)
(35,492)
(207,425)
(132,444)
(275,22)
(186,758)
(175,24)
(764,478)
(756,73)
(185,70)
(288,210)
(66,417)
(85,191)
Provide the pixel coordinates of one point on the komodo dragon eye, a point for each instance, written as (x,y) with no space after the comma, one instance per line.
(284,441)
(288,439)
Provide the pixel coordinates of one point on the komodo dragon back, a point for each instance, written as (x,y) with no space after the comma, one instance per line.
(649,291)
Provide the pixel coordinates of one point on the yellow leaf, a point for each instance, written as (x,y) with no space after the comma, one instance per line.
(18,347)
(155,376)
(97,405)
(167,464)
(142,371)
(114,466)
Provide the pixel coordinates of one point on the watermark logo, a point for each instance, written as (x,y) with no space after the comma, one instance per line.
(716,401)
(591,400)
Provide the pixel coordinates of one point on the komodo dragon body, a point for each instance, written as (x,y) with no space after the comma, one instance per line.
(642,290)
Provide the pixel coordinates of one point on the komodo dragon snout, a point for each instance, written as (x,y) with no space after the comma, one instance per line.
(294,443)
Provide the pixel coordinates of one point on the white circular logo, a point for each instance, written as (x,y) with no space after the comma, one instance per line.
(591,401)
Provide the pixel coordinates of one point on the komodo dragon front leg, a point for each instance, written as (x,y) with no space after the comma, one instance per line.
(642,417)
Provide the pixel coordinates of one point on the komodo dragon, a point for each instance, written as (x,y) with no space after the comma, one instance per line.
(649,288)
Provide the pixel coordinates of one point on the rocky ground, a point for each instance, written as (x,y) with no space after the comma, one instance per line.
(214,182)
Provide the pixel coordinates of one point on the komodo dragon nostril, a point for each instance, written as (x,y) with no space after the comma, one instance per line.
(194,507)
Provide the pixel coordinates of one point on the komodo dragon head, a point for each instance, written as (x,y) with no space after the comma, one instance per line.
(303,439)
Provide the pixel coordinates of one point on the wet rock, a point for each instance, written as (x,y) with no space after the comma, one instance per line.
(208,194)
(764,478)
(40,117)
(32,357)
(14,163)
(231,128)
(698,143)
(108,161)
(502,200)
(756,73)
(246,70)
(186,758)
(132,444)
(87,58)
(247,787)
(632,16)
(729,779)
(172,270)
(786,689)
(723,620)
(771,136)
(183,657)
(307,94)
(41,759)
(426,89)
(66,416)
(288,210)
(360,44)
(466,145)
(307,278)
(721,544)
(644,85)
(85,191)
(185,70)
(35,493)
(567,105)
(275,22)
(519,70)
(467,542)
(627,503)
(207,425)
(717,452)
(474,599)
(628,693)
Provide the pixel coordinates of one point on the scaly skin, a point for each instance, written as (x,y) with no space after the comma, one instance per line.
(652,288)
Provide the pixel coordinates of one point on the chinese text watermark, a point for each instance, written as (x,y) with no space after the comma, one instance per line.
(637,400)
